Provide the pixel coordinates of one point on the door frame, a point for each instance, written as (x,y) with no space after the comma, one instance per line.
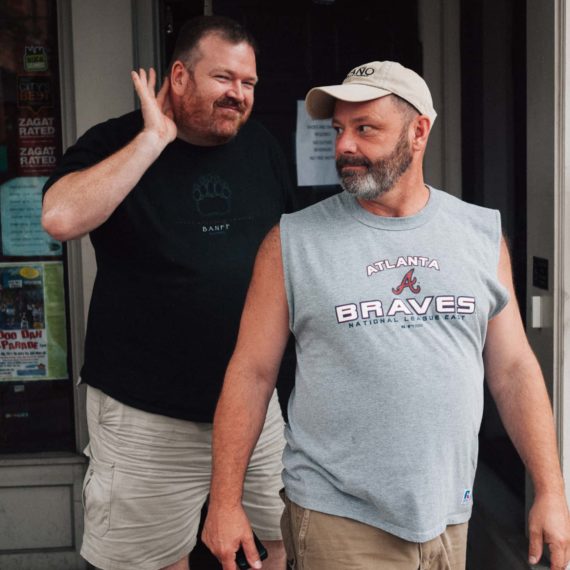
(561,395)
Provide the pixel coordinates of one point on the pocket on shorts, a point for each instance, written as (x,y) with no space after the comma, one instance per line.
(96,496)
(287,532)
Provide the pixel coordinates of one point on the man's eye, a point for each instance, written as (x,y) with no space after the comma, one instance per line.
(222,77)
(249,84)
(364,128)
(339,130)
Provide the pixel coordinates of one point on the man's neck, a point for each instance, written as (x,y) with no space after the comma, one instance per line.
(197,139)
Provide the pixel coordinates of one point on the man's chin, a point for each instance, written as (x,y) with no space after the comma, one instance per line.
(360,191)
(225,135)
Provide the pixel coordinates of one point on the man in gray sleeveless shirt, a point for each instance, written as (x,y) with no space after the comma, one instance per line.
(401,301)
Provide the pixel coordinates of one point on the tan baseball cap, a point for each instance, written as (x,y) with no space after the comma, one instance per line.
(372,81)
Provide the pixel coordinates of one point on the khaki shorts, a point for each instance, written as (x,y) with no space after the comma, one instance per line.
(317,541)
(149,476)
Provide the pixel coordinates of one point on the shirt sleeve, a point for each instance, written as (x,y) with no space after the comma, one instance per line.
(95,145)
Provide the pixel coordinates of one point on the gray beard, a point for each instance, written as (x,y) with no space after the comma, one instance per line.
(381,176)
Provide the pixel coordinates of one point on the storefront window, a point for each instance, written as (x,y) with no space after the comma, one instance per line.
(36,392)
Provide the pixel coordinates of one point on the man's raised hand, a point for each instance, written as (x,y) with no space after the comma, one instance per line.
(156,109)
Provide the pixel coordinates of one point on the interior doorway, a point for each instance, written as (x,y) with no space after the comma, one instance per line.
(308,43)
(302,44)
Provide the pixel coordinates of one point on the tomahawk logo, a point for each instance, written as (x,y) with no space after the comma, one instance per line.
(409,281)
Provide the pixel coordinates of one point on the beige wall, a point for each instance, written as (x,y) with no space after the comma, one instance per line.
(102,61)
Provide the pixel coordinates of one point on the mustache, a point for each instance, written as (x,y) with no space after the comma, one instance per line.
(342,161)
(231,103)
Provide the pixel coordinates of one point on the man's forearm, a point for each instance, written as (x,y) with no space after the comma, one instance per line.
(526,412)
(81,201)
(239,419)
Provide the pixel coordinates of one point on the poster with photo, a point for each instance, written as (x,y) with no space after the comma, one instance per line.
(32,322)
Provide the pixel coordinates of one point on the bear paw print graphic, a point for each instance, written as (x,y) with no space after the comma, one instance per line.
(212,196)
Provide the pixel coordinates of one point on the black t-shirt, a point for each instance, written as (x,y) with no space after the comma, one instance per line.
(173,265)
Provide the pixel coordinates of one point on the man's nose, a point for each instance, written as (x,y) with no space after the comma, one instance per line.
(345,143)
(236,91)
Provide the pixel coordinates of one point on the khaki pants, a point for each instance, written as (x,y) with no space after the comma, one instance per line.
(318,541)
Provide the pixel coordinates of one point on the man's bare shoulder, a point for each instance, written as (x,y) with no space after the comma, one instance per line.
(271,245)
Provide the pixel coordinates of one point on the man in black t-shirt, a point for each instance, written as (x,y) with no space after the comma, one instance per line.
(176,199)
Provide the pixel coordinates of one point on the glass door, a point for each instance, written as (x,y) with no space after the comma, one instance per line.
(36,391)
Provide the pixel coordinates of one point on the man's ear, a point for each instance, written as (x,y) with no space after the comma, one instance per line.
(178,78)
(421,125)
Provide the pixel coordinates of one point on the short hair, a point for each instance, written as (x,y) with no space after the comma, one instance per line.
(186,47)
(407,110)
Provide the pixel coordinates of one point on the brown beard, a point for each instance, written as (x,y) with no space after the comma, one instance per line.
(381,175)
(194,116)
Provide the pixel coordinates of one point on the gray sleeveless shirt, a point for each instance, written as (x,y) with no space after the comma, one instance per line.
(390,317)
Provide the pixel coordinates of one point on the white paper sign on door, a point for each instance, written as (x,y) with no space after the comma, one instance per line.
(315,150)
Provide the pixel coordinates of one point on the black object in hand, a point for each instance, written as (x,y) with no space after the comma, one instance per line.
(241,560)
